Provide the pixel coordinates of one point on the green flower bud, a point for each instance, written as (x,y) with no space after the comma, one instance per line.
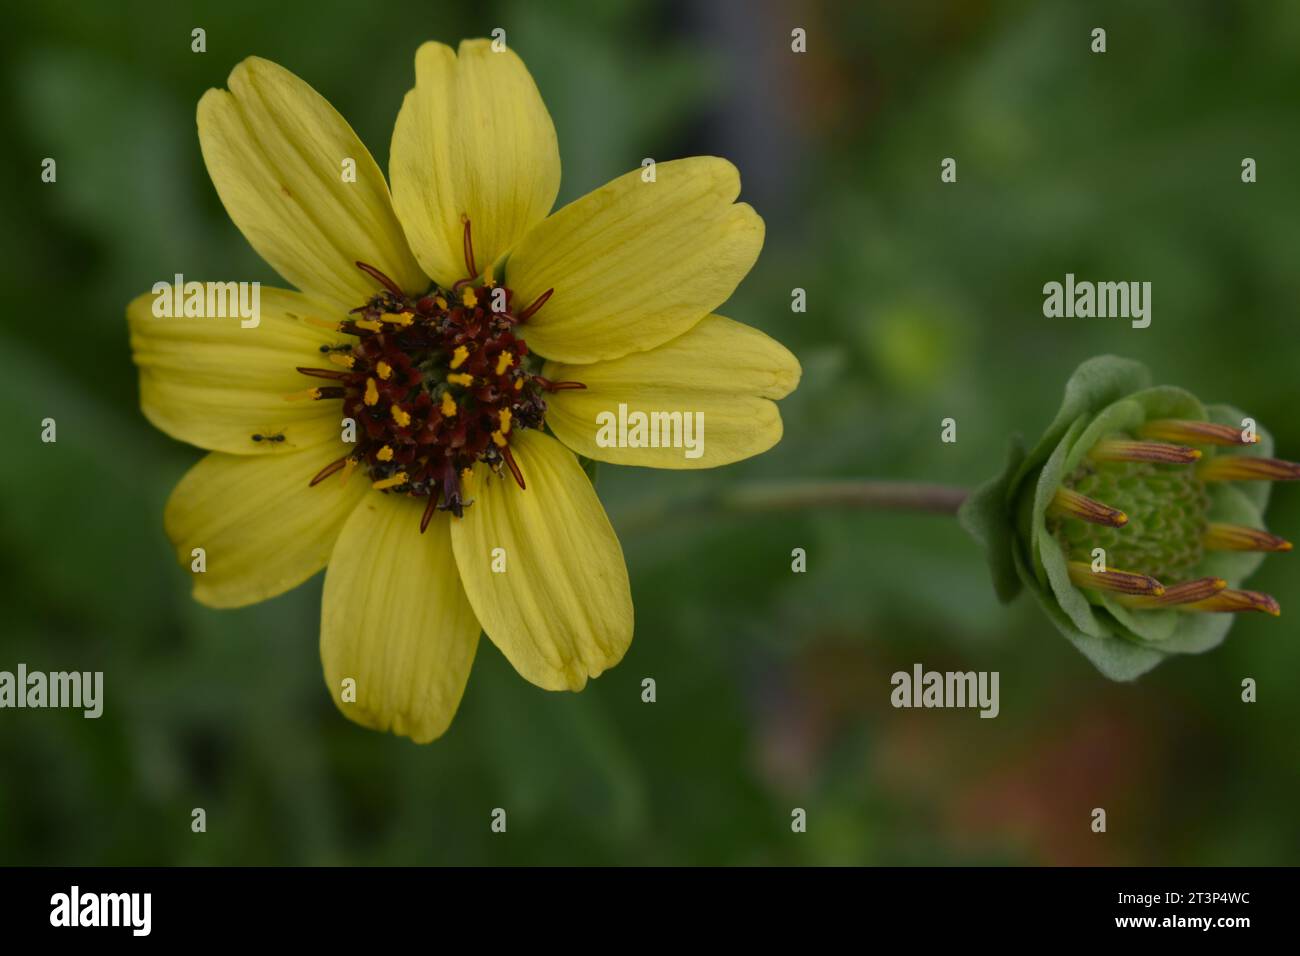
(1134,519)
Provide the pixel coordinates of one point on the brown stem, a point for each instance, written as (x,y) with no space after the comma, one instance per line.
(856,495)
(904,496)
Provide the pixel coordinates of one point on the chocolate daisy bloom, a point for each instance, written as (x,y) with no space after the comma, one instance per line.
(409,416)
(1135,519)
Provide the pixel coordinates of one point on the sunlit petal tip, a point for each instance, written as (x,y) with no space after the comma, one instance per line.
(1247,468)
(1158,451)
(1196,433)
(1121,582)
(1231,537)
(1231,601)
(1067,503)
(1186,593)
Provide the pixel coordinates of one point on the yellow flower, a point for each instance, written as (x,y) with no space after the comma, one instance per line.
(457,508)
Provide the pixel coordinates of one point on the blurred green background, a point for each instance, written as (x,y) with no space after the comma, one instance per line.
(773,688)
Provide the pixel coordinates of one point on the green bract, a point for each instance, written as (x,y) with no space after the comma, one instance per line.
(1168,509)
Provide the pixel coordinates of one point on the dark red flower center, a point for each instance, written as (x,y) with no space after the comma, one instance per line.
(434,384)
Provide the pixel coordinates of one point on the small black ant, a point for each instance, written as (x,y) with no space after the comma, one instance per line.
(277,437)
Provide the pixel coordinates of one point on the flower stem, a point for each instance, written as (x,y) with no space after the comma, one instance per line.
(873,495)
(902,496)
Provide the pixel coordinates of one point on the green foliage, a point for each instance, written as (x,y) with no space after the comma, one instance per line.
(924,302)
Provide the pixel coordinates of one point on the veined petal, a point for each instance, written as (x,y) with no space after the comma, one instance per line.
(713,384)
(395,620)
(1195,432)
(1122,450)
(1232,601)
(1188,592)
(1247,468)
(1220,536)
(277,153)
(473,139)
(1121,582)
(215,384)
(1071,504)
(635,264)
(562,610)
(262,530)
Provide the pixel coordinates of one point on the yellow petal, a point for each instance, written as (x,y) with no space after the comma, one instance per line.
(562,609)
(215,384)
(262,530)
(635,264)
(395,620)
(473,138)
(713,385)
(277,153)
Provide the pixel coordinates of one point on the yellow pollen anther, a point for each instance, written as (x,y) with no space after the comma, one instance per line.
(398,318)
(469,299)
(383,370)
(385,453)
(401,415)
(504,418)
(459,356)
(504,361)
(440,302)
(348,467)
(519,383)
(448,405)
(346,361)
(370,325)
(312,393)
(393,482)
(500,439)
(372,392)
(460,378)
